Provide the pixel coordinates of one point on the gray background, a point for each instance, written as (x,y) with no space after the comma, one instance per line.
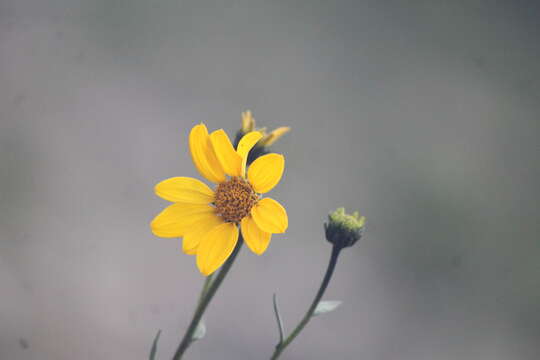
(423,115)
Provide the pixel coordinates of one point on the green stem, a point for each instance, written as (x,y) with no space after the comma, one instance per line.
(211,288)
(326,280)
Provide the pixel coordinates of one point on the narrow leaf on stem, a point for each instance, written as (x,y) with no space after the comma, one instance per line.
(326,306)
(200,331)
(153,351)
(278,319)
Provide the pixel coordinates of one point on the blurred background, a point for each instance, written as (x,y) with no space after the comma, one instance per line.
(423,115)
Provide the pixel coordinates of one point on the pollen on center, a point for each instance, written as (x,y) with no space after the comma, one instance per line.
(234,199)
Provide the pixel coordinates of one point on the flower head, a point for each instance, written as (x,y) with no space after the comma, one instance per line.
(209,220)
(342,229)
(267,139)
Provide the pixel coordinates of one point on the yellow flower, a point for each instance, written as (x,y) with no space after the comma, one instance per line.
(207,219)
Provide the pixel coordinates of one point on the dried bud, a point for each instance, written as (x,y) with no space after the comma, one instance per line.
(248,122)
(342,229)
(268,139)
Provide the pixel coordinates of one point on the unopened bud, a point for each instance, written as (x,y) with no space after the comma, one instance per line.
(343,230)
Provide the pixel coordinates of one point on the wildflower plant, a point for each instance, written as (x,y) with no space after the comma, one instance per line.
(215,222)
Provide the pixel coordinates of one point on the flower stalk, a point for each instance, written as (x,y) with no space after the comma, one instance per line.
(209,289)
(342,230)
(324,284)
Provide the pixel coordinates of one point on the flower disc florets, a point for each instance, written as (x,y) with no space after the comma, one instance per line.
(234,199)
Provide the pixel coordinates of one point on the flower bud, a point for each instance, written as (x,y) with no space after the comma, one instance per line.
(342,229)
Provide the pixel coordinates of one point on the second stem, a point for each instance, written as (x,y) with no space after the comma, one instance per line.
(324,284)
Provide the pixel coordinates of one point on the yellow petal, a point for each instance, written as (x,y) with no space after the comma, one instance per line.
(256,239)
(270,216)
(197,231)
(216,247)
(176,219)
(214,162)
(228,158)
(203,156)
(245,144)
(184,189)
(265,172)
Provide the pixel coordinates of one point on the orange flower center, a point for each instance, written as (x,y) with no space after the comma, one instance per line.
(234,199)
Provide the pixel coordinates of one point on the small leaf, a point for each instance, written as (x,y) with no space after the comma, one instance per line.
(278,319)
(200,331)
(326,306)
(154,346)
